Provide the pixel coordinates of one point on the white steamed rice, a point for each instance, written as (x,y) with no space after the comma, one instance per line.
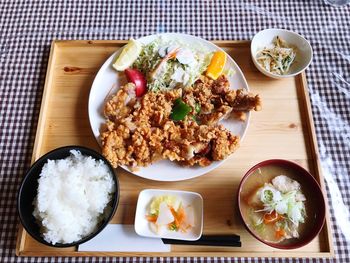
(72,195)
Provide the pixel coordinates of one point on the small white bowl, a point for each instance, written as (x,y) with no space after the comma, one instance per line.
(142,226)
(303,53)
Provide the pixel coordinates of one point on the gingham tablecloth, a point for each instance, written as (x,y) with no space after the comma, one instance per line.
(28,27)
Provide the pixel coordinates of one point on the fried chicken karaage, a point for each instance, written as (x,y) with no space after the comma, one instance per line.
(140,131)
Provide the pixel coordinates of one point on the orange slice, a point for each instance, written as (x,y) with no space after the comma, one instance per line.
(216,65)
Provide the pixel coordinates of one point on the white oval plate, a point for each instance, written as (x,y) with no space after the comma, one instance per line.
(142,226)
(163,170)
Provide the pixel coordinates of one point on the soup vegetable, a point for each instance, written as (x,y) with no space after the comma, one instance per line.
(277,209)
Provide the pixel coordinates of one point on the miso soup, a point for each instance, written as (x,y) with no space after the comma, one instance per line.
(278,209)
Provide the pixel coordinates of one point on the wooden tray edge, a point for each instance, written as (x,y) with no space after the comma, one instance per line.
(278,254)
(317,163)
(222,43)
(104,42)
(39,129)
(44,101)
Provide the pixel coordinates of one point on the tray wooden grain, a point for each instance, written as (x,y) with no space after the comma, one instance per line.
(283,129)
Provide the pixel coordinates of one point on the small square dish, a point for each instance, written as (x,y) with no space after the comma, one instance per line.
(169,214)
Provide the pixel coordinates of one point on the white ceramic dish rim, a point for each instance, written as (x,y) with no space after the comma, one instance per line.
(173,171)
(140,216)
(276,76)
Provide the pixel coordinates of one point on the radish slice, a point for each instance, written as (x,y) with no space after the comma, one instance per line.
(159,230)
(189,215)
(162,52)
(185,56)
(165,216)
(154,228)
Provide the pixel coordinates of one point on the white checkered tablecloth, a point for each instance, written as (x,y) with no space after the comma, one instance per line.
(28,27)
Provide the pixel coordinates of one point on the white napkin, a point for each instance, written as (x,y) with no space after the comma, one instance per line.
(123,238)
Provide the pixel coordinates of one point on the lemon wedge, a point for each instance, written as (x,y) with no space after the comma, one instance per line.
(128,55)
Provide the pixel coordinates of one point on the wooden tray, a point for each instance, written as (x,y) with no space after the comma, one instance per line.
(283,129)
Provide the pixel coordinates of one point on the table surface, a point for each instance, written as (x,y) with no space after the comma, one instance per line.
(28,27)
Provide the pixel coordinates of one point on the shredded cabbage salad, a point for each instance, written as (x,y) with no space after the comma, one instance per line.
(164,70)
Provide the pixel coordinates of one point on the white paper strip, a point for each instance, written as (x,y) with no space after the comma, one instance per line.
(123,238)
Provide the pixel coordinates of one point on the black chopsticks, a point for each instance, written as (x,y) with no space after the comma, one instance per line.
(209,240)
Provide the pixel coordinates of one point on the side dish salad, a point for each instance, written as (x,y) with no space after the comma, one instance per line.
(168,212)
(277,58)
(165,65)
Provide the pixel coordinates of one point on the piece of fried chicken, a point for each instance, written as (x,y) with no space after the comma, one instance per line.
(217,101)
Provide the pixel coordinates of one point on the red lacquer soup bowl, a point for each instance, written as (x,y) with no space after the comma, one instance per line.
(315,207)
